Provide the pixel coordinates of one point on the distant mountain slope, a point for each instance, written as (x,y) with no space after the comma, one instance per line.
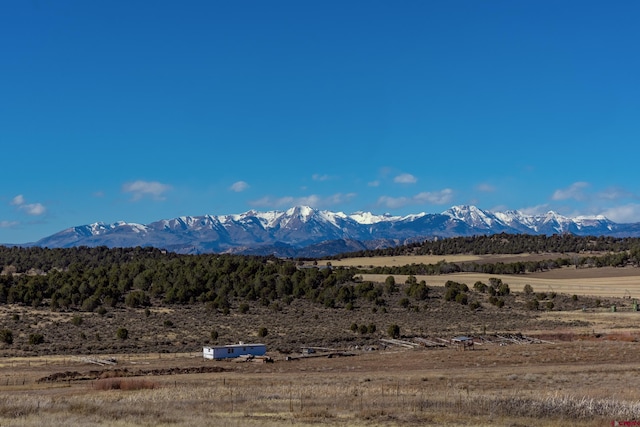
(308,232)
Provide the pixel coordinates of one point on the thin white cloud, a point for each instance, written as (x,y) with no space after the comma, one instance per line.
(385,171)
(34,209)
(239,186)
(437,198)
(575,191)
(18,200)
(375,183)
(614,193)
(394,202)
(405,178)
(623,214)
(497,208)
(140,189)
(535,210)
(8,224)
(337,199)
(486,188)
(313,201)
(318,177)
(286,201)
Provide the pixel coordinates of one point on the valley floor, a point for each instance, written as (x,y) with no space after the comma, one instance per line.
(587,381)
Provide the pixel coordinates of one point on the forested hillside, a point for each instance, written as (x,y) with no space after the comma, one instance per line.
(90,279)
(507,244)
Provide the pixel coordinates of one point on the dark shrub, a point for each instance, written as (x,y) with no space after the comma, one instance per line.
(122,333)
(6,336)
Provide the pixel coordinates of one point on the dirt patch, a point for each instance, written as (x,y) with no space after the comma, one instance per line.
(125,372)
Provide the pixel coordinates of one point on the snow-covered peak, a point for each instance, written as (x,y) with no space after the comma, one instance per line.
(469,214)
(96,228)
(302,212)
(591,218)
(554,216)
(331,217)
(412,217)
(583,221)
(100,228)
(138,228)
(268,219)
(369,218)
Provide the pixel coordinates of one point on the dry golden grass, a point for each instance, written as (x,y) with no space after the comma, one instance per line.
(603,282)
(127,384)
(583,381)
(395,261)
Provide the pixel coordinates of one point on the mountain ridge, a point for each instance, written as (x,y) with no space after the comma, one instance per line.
(302,231)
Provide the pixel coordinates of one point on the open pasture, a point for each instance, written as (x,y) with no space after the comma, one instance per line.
(400,260)
(548,384)
(598,282)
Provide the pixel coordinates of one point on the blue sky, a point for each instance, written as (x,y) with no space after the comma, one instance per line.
(145,110)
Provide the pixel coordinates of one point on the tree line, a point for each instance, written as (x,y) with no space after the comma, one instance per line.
(620,259)
(504,243)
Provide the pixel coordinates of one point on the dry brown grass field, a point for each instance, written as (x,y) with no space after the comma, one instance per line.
(600,282)
(432,259)
(580,370)
(605,282)
(585,381)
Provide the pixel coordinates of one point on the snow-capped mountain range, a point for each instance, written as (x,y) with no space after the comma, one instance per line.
(306,232)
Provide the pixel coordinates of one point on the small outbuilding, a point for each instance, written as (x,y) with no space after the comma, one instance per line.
(233,350)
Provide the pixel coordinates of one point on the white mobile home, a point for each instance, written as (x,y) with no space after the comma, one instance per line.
(233,350)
